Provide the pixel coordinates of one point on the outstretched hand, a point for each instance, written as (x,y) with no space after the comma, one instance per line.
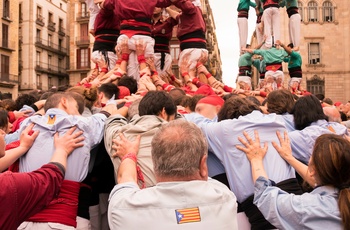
(123,146)
(69,141)
(252,148)
(284,148)
(28,137)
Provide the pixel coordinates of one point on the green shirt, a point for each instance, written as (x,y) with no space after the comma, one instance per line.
(272,55)
(244,5)
(291,3)
(295,60)
(245,59)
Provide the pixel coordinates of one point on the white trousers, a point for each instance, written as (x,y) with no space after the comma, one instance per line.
(271,25)
(243,32)
(294,29)
(133,65)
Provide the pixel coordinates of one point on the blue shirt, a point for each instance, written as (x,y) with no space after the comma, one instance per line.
(222,138)
(57,120)
(315,210)
(302,141)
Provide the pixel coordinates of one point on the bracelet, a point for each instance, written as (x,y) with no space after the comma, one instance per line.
(131,156)
(118,62)
(118,74)
(125,57)
(195,81)
(208,75)
(104,70)
(172,77)
(141,59)
(184,74)
(128,104)
(154,73)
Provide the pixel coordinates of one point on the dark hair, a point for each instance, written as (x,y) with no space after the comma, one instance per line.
(280,101)
(177,95)
(319,96)
(109,89)
(24,99)
(128,82)
(331,160)
(8,104)
(4,121)
(254,100)
(154,102)
(290,45)
(191,102)
(89,95)
(235,107)
(328,101)
(343,116)
(307,109)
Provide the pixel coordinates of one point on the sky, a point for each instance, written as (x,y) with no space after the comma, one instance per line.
(225,17)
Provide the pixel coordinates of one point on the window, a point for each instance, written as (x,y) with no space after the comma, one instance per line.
(60,41)
(6,9)
(50,18)
(38,35)
(84,10)
(49,61)
(5,68)
(37,58)
(49,81)
(20,14)
(315,85)
(49,40)
(39,14)
(328,12)
(314,53)
(84,30)
(60,24)
(312,11)
(83,58)
(300,9)
(5,36)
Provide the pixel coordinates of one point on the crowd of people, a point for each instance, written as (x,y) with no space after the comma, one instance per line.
(134,146)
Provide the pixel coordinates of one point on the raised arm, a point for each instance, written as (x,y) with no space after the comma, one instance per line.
(285,151)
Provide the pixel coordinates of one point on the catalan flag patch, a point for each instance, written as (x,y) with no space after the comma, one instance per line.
(52,119)
(187,215)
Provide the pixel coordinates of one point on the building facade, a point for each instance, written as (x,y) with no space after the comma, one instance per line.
(325,36)
(43,50)
(9,49)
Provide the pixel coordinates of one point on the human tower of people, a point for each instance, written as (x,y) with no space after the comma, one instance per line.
(132,146)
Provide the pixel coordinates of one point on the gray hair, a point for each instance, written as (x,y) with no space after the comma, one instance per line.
(177,149)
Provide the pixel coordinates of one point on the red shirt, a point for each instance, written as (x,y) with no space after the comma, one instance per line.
(106,19)
(24,194)
(190,19)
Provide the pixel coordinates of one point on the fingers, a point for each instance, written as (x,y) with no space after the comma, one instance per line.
(71,130)
(28,128)
(243,142)
(35,134)
(250,140)
(257,138)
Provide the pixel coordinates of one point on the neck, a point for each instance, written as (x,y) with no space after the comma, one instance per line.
(175,179)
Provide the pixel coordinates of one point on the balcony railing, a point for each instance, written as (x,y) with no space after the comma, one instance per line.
(49,68)
(6,44)
(83,15)
(61,31)
(51,26)
(10,78)
(82,40)
(49,45)
(40,20)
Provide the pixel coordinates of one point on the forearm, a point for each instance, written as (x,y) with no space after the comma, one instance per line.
(302,170)
(11,156)
(60,156)
(258,169)
(127,171)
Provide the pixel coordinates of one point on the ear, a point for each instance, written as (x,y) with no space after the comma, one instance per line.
(218,107)
(203,167)
(64,102)
(163,114)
